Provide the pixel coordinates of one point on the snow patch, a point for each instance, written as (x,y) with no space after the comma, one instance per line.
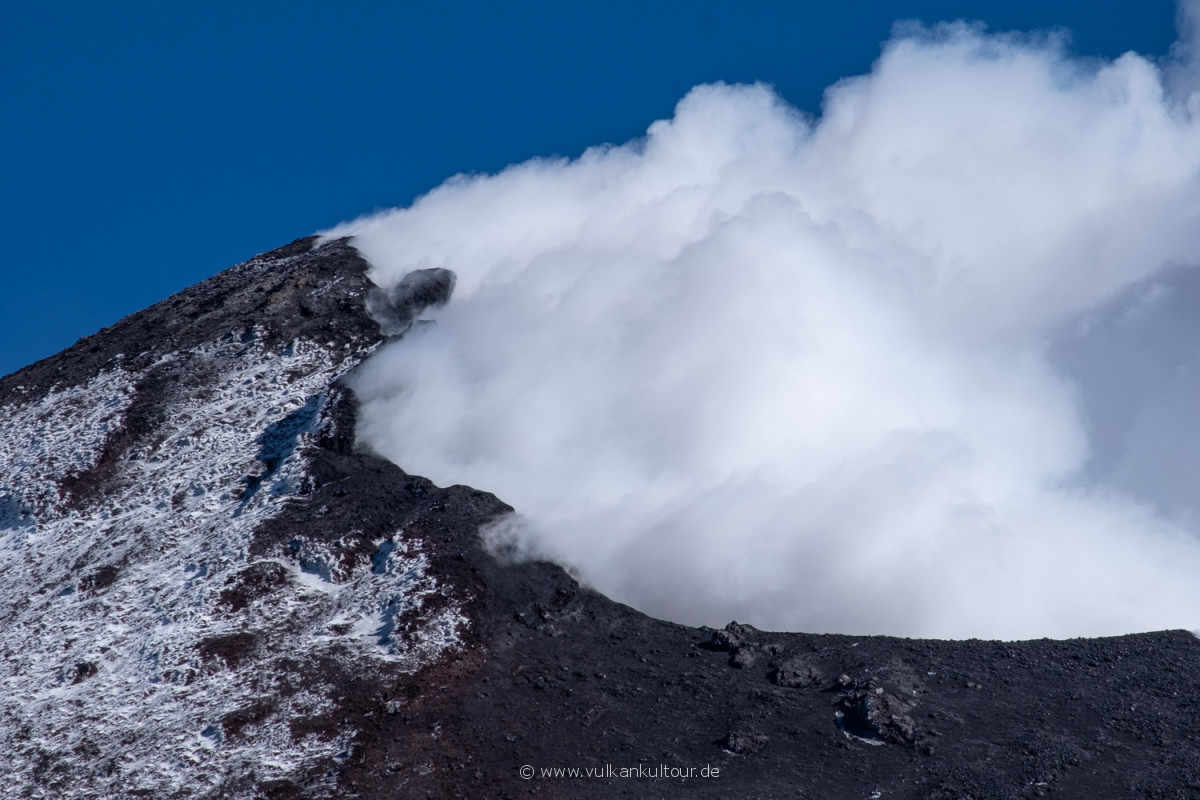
(122,669)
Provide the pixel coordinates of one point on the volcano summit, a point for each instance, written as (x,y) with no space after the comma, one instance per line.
(208,590)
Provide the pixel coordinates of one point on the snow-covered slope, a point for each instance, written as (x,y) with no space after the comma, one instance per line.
(149,645)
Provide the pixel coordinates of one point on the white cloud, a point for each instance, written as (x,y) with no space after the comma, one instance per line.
(845,374)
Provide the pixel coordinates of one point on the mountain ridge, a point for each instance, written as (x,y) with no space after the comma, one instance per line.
(211,591)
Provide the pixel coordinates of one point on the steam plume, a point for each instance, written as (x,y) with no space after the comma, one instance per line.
(927,365)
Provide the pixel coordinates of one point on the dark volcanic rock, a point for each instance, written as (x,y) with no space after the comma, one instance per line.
(796,673)
(743,742)
(731,638)
(744,657)
(252,583)
(398,307)
(218,595)
(876,715)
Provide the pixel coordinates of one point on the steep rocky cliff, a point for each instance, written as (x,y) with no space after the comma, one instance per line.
(207,590)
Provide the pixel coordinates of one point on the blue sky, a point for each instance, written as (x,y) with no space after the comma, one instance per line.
(147,146)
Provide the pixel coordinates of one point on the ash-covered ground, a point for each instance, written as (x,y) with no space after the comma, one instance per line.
(207,590)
